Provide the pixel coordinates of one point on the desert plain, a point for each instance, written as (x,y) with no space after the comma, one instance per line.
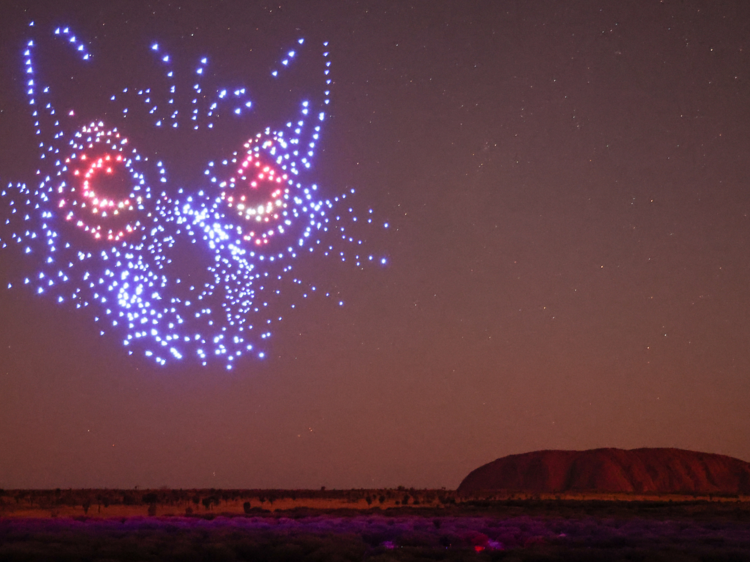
(377,525)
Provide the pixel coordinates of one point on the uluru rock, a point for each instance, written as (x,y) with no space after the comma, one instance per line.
(612,470)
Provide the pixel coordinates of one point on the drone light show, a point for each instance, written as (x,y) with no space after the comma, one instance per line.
(104,228)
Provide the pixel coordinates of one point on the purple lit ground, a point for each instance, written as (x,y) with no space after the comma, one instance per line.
(566,185)
(404,535)
(383,524)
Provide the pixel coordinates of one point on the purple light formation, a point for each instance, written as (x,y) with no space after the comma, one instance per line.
(105,230)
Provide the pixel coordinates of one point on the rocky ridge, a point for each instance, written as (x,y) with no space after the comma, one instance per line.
(657,470)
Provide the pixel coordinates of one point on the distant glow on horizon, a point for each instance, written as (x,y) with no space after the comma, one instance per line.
(180,273)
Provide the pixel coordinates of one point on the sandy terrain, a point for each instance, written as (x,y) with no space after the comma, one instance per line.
(136,503)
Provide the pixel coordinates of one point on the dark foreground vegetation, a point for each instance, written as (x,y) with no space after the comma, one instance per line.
(512,530)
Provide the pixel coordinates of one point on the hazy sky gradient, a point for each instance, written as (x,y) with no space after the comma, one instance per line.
(567,188)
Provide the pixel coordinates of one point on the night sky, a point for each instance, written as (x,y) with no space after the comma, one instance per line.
(566,187)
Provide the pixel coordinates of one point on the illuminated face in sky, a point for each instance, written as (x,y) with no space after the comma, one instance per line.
(193,271)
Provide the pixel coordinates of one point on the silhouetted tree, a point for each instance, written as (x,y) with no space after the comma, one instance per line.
(150,498)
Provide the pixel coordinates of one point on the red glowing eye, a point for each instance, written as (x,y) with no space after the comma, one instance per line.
(257,191)
(101,193)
